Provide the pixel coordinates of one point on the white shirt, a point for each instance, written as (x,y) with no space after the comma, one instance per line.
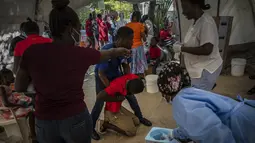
(202,32)
(150,27)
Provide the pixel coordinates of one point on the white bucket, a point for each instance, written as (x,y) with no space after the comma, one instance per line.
(151,83)
(238,66)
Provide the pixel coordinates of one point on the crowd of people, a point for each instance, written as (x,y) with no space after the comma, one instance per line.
(53,69)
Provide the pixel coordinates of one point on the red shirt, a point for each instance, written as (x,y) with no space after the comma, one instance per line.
(164,34)
(89,31)
(57,73)
(155,52)
(30,40)
(118,86)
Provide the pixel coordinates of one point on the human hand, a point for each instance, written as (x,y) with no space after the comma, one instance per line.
(118,52)
(177,47)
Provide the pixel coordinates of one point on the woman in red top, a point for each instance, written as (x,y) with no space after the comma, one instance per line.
(57,71)
(103,30)
(154,54)
(118,118)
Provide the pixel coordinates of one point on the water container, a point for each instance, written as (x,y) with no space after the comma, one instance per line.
(238,67)
(158,135)
(151,83)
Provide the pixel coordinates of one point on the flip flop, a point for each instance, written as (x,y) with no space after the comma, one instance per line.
(251,92)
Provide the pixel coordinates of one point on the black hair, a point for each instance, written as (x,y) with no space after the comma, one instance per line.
(135,86)
(31,27)
(124,32)
(6,76)
(99,16)
(201,3)
(90,16)
(144,18)
(156,38)
(21,27)
(61,16)
(137,15)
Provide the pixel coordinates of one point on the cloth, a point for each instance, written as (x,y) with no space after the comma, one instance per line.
(139,61)
(172,78)
(164,34)
(202,32)
(103,30)
(149,26)
(111,68)
(17,98)
(31,39)
(207,81)
(124,120)
(58,78)
(75,129)
(138,28)
(89,28)
(206,117)
(14,42)
(154,52)
(118,86)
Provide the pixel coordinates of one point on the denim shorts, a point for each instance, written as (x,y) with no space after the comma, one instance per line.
(76,129)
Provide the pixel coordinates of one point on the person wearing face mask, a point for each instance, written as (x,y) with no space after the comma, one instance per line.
(201,46)
(203,116)
(31,29)
(57,70)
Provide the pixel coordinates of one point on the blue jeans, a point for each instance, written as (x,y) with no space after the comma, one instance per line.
(97,109)
(76,129)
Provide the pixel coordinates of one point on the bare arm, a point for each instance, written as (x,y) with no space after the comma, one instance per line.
(126,68)
(103,78)
(22,80)
(114,52)
(16,64)
(205,49)
(105,97)
(143,36)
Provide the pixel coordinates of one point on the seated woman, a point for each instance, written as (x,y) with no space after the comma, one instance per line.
(202,116)
(20,103)
(118,118)
(154,55)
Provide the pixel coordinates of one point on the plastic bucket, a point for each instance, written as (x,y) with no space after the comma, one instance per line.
(238,66)
(151,83)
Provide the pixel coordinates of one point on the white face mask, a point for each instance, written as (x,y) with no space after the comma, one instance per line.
(75,41)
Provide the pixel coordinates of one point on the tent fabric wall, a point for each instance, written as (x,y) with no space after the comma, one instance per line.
(243,30)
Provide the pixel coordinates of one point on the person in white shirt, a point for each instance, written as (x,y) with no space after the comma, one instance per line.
(201,46)
(122,22)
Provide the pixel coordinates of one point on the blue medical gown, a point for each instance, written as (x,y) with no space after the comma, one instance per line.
(206,117)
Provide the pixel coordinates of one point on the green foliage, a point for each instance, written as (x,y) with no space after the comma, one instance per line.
(110,5)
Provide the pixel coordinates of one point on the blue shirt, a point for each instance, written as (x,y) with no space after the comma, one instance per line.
(207,117)
(111,68)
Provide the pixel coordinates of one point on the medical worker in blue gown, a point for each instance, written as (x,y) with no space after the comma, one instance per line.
(202,116)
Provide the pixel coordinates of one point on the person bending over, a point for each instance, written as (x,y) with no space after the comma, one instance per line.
(107,71)
(116,117)
(203,116)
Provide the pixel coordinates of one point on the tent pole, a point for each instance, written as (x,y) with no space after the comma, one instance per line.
(218,9)
(179,18)
(252,10)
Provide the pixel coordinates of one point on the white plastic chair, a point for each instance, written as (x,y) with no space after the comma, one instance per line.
(16,126)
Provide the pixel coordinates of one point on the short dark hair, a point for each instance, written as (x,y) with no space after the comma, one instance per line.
(31,27)
(61,16)
(21,27)
(99,16)
(135,86)
(124,32)
(201,3)
(137,15)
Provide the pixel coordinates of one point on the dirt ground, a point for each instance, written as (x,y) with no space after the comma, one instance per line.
(158,111)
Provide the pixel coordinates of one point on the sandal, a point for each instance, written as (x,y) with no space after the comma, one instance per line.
(251,92)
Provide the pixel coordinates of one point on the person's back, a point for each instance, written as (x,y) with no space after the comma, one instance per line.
(229,120)
(138,28)
(59,78)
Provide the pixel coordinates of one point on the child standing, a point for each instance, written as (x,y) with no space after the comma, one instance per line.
(117,117)
(154,55)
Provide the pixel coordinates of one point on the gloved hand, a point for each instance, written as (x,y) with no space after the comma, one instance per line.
(177,47)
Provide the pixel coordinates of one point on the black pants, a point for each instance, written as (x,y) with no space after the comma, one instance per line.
(96,111)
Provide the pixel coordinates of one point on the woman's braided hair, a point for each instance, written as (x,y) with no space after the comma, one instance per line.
(61,16)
